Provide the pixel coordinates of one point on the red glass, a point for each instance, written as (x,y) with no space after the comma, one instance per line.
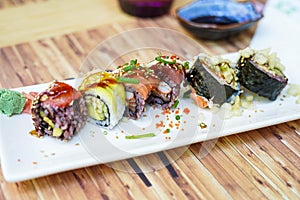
(146,8)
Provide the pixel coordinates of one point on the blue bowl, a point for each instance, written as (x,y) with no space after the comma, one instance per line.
(218,19)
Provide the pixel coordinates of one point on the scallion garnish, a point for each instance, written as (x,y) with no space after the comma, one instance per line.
(177,117)
(127,80)
(186,65)
(175,104)
(160,59)
(128,68)
(140,136)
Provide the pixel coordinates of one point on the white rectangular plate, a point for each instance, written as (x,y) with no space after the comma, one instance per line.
(24,156)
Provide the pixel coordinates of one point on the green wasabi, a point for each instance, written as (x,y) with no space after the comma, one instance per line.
(11,102)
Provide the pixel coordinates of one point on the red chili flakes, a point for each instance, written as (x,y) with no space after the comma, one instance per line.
(186,111)
(177,111)
(156,116)
(160,124)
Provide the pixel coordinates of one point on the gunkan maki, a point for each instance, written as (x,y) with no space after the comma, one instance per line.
(261,72)
(214,80)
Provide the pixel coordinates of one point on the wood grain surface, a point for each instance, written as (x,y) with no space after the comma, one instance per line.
(259,164)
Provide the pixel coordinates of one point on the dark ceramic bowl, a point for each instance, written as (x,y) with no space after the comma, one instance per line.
(146,8)
(215,19)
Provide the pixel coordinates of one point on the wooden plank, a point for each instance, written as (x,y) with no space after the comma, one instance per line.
(280,146)
(19,24)
(134,185)
(263,176)
(197,176)
(63,184)
(227,173)
(43,188)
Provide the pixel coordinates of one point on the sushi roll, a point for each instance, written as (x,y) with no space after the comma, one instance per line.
(213,80)
(59,111)
(104,98)
(261,72)
(138,81)
(171,73)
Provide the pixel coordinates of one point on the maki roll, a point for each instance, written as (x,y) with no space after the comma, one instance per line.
(104,98)
(59,111)
(138,81)
(171,73)
(213,80)
(261,72)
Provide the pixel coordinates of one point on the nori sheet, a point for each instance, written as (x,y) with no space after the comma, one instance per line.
(259,81)
(206,85)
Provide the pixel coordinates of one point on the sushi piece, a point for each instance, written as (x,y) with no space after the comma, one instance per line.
(59,111)
(213,80)
(171,73)
(104,98)
(138,81)
(261,72)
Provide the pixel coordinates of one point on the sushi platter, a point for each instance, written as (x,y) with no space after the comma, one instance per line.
(25,155)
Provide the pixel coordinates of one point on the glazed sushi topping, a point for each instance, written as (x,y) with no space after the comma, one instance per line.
(59,94)
(58,111)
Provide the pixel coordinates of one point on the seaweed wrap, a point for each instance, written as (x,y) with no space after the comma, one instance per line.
(59,111)
(104,98)
(213,80)
(171,73)
(138,81)
(261,72)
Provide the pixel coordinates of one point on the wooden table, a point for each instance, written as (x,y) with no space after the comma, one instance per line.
(43,40)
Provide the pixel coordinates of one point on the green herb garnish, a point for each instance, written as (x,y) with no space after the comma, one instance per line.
(127,67)
(177,117)
(186,65)
(202,125)
(140,136)
(160,59)
(175,104)
(127,80)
